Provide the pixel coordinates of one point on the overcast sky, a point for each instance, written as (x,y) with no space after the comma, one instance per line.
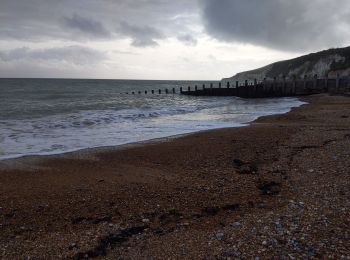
(162,39)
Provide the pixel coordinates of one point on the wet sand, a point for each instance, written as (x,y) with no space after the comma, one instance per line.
(277,188)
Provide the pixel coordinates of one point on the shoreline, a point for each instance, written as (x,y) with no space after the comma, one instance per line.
(277,187)
(90,151)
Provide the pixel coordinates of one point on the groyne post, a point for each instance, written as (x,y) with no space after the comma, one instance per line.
(181,90)
(166,91)
(219,84)
(237,83)
(315,85)
(195,87)
(203,86)
(174,91)
(189,88)
(211,85)
(337,83)
(146,92)
(228,84)
(294,87)
(305,82)
(160,91)
(152,91)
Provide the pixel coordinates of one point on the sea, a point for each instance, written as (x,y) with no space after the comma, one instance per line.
(53,116)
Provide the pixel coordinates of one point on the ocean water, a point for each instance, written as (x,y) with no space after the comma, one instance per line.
(51,116)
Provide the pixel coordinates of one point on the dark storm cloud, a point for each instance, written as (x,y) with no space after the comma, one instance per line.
(86,26)
(71,54)
(142,36)
(296,25)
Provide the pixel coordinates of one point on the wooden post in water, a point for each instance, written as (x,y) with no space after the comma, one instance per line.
(181,90)
(326,84)
(237,84)
(139,92)
(228,84)
(152,91)
(195,88)
(203,86)
(146,92)
(160,91)
(166,91)
(219,84)
(211,85)
(173,90)
(189,88)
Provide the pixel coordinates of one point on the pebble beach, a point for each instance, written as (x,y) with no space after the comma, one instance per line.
(277,188)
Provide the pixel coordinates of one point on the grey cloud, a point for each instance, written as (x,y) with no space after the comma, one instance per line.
(187,39)
(86,26)
(296,25)
(76,55)
(39,20)
(141,36)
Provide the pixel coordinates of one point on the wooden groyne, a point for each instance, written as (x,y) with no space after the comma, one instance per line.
(281,87)
(276,87)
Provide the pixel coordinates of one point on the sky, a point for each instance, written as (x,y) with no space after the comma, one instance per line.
(163,39)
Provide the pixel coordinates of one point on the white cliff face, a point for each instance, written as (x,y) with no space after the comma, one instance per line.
(321,67)
(310,66)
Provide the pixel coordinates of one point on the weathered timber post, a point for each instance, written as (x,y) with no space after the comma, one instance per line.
(189,88)
(246,83)
(174,91)
(219,84)
(195,87)
(237,84)
(166,91)
(305,82)
(133,93)
(211,85)
(139,92)
(326,83)
(181,90)
(160,91)
(264,88)
(294,88)
(337,83)
(146,92)
(228,85)
(284,86)
(152,91)
(315,86)
(203,86)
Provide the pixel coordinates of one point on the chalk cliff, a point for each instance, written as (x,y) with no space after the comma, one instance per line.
(329,62)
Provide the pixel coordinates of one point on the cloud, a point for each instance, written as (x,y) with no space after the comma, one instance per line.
(296,25)
(76,55)
(142,36)
(187,39)
(85,26)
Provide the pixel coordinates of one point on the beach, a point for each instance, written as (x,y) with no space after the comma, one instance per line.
(278,187)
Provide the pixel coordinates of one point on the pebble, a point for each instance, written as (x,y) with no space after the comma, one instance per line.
(219,235)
